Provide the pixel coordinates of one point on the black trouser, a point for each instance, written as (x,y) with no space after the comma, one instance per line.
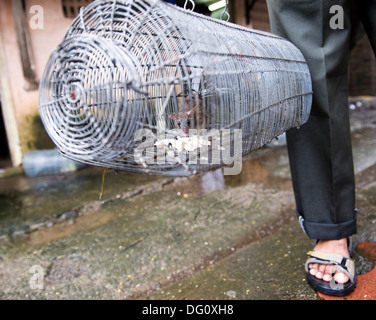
(320,151)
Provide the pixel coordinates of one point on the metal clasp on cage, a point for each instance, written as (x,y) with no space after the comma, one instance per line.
(225,12)
(192,3)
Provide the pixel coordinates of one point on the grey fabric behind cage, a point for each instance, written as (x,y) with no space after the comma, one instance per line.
(125,69)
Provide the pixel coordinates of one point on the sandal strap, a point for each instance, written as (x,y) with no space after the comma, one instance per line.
(343,264)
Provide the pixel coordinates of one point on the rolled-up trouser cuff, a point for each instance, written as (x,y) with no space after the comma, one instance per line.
(324,231)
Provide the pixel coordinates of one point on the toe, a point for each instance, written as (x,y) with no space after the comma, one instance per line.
(327,277)
(314,270)
(322,268)
(314,266)
(340,277)
(328,271)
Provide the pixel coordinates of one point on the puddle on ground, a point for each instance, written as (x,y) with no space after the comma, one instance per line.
(25,200)
(266,166)
(65,229)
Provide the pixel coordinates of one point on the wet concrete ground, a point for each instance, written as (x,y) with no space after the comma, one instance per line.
(203,237)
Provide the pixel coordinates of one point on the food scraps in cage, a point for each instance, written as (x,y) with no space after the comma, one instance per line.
(202,147)
(180,144)
(175,148)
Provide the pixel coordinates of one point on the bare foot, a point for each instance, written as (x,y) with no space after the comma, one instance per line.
(325,272)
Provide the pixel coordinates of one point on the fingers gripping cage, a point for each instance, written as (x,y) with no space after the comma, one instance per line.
(137,85)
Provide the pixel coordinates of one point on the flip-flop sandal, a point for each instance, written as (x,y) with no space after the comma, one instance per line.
(342,264)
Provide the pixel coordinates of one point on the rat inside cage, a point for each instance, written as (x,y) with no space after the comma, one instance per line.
(145,86)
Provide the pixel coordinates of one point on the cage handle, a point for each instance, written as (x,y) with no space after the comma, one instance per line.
(225,12)
(192,2)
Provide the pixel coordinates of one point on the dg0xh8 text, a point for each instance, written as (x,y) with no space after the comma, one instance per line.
(209,309)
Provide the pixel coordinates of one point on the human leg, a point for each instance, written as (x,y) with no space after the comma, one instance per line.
(320,151)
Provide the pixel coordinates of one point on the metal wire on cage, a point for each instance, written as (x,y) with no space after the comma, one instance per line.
(145,86)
